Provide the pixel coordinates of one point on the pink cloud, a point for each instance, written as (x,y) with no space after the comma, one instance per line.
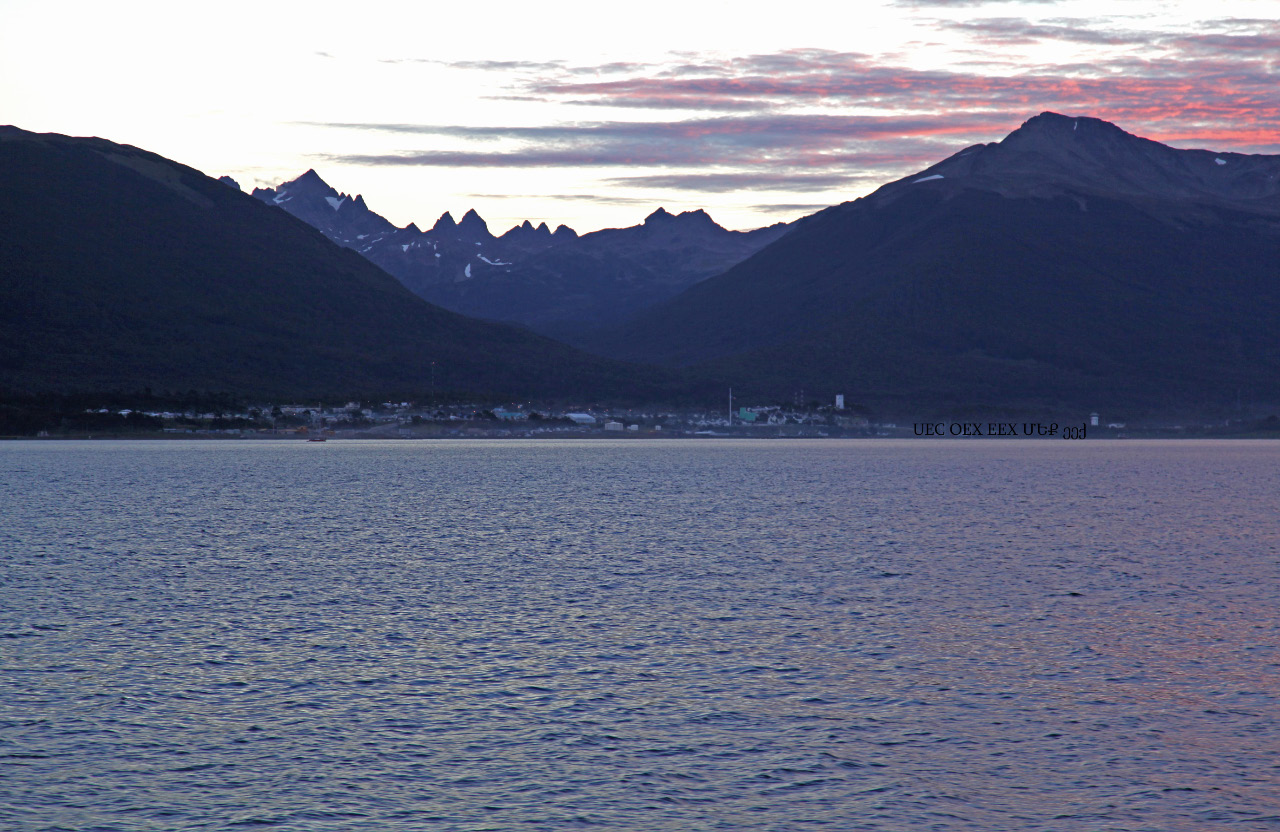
(811,119)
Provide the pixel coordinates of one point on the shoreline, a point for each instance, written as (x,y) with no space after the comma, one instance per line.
(1111,436)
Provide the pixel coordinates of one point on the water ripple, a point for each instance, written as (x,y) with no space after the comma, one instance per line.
(624,635)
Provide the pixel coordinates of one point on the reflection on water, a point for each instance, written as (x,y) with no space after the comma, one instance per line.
(640,635)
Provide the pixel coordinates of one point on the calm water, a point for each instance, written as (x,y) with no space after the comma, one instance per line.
(982,635)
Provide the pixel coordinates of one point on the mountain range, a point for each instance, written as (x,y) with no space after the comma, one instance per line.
(1069,267)
(554,282)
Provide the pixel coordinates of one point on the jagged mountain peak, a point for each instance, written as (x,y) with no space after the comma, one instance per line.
(445,222)
(698,218)
(308,184)
(473,228)
(526,232)
(662,215)
(308,187)
(310,177)
(344,219)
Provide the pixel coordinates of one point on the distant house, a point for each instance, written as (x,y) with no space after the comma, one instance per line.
(510,415)
(581,418)
(614,426)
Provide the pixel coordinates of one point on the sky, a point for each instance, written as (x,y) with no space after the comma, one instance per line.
(594,114)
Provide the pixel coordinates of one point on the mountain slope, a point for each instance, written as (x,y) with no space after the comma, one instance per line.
(553,282)
(122,269)
(1070,263)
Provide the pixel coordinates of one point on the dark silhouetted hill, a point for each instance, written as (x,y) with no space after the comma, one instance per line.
(1070,264)
(121,269)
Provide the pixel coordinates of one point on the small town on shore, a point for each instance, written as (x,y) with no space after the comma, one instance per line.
(407,420)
